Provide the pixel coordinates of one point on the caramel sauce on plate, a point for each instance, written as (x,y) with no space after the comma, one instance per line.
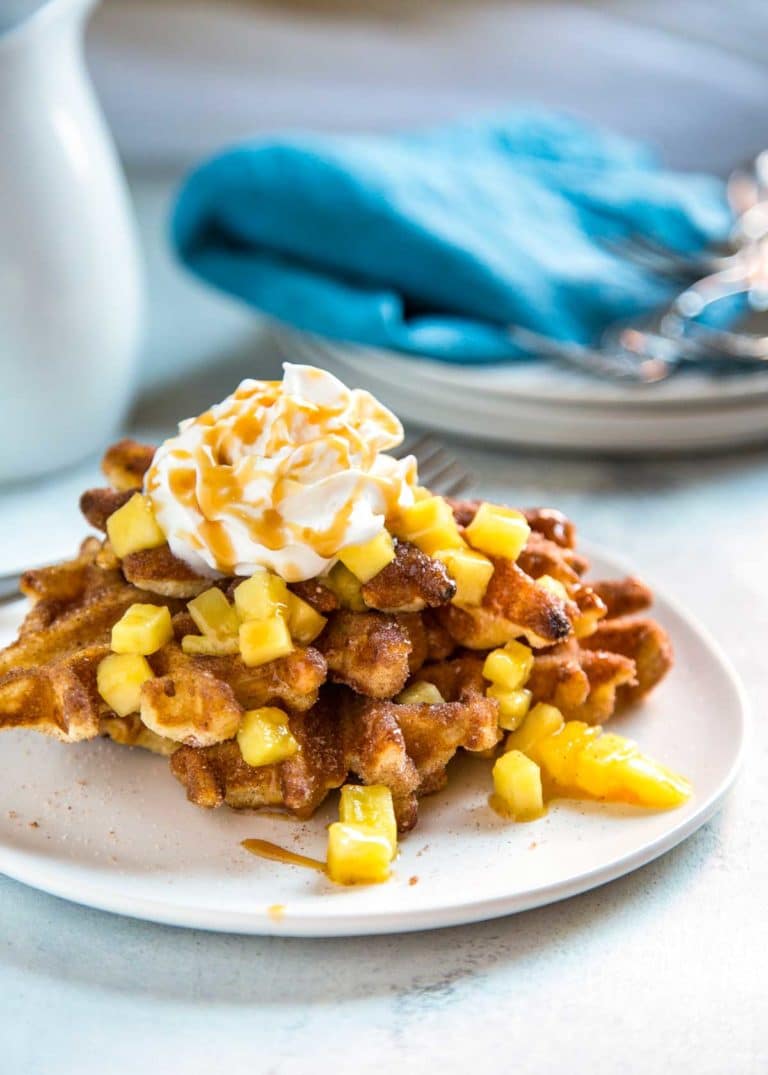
(274,852)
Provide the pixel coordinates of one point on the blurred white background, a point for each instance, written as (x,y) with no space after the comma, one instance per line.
(178,79)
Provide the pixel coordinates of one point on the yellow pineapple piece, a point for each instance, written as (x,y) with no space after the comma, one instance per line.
(262,641)
(368,559)
(600,762)
(357,855)
(542,721)
(429,524)
(470,570)
(142,629)
(347,588)
(586,623)
(119,679)
(438,539)
(558,754)
(371,807)
(509,667)
(134,527)
(304,623)
(614,768)
(420,694)
(261,597)
(427,513)
(513,705)
(517,784)
(206,646)
(498,531)
(265,738)
(213,615)
(554,586)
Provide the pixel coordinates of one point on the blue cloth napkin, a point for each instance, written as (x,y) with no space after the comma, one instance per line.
(431,243)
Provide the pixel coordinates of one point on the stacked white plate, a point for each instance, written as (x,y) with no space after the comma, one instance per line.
(539,404)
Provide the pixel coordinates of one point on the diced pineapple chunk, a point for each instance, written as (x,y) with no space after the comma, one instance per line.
(554,586)
(575,756)
(142,629)
(368,559)
(262,641)
(304,623)
(206,646)
(347,588)
(265,738)
(558,754)
(430,525)
(420,694)
(513,705)
(370,807)
(427,513)
(517,783)
(509,667)
(119,679)
(541,721)
(498,531)
(261,597)
(357,855)
(134,527)
(438,539)
(613,767)
(586,623)
(213,615)
(470,570)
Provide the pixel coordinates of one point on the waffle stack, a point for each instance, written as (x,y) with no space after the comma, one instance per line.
(346,695)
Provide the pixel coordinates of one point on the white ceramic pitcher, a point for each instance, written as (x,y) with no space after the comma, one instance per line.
(70,295)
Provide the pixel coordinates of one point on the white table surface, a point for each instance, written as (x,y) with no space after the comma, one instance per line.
(662,970)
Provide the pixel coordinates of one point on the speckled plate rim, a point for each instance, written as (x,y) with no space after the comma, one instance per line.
(58,879)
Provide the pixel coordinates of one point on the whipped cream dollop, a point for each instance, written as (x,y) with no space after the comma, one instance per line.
(280,475)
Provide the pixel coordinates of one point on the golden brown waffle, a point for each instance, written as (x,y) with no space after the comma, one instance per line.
(643,642)
(368,651)
(125,464)
(582,683)
(160,572)
(513,606)
(132,732)
(592,654)
(216,775)
(411,583)
(408,746)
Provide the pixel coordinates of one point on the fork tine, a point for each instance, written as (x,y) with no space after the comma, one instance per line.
(438,469)
(433,464)
(426,449)
(450,471)
(456,488)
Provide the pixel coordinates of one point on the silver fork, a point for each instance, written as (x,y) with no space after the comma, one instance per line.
(438,470)
(747,194)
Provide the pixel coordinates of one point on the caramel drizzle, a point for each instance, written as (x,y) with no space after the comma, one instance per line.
(275,853)
(212,478)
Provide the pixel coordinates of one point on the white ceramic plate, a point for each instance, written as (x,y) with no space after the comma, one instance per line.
(110,828)
(538,404)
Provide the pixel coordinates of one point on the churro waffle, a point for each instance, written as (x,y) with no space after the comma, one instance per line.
(427,641)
